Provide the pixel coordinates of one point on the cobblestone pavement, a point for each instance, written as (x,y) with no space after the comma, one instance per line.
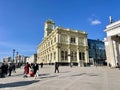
(75,78)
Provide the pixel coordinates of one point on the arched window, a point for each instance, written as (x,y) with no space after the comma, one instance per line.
(80,56)
(75,56)
(66,55)
(83,56)
(71,55)
(62,55)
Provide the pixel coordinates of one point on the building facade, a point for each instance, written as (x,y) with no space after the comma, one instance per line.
(62,45)
(97,54)
(112,43)
(7,59)
(20,59)
(32,59)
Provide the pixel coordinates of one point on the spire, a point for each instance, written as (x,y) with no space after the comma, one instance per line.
(110,18)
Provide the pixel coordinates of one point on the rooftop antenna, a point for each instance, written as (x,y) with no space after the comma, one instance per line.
(110,18)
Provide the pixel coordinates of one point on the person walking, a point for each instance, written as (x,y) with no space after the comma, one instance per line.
(36,70)
(41,64)
(6,69)
(9,69)
(26,69)
(13,67)
(56,67)
(3,70)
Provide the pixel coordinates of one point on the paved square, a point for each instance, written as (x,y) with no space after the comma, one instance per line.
(75,78)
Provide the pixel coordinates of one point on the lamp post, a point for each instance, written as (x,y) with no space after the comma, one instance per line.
(13,54)
(16,57)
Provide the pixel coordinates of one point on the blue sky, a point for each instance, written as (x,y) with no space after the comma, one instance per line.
(22,21)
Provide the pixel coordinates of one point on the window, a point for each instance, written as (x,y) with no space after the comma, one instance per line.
(62,55)
(55,39)
(80,57)
(54,55)
(72,40)
(71,55)
(83,56)
(75,56)
(51,41)
(51,56)
(66,55)
(81,41)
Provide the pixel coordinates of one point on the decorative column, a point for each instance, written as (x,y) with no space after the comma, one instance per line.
(69,49)
(118,50)
(112,52)
(78,57)
(86,50)
(57,47)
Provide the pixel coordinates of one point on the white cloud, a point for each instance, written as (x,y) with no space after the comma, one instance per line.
(95,22)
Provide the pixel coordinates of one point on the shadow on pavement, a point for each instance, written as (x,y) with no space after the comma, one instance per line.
(17,84)
(79,74)
(48,76)
(44,74)
(88,74)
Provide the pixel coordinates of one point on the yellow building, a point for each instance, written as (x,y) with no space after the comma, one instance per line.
(62,45)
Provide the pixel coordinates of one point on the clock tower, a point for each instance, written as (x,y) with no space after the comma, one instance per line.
(49,27)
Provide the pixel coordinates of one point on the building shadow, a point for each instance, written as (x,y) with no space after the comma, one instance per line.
(17,84)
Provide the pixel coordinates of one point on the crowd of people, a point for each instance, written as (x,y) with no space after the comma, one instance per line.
(6,69)
(31,70)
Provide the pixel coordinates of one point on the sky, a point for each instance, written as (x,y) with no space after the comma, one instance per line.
(22,21)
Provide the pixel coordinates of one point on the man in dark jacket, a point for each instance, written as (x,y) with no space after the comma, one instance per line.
(10,69)
(56,67)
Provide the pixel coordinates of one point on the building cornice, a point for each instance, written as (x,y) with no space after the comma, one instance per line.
(58,29)
(112,26)
(70,30)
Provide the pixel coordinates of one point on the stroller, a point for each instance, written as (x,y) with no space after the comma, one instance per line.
(31,73)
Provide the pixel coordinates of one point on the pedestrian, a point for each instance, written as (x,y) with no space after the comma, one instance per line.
(109,65)
(32,70)
(3,70)
(26,69)
(118,66)
(13,67)
(36,70)
(0,72)
(6,69)
(41,64)
(56,67)
(71,64)
(9,69)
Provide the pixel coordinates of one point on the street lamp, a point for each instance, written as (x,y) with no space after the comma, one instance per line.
(16,57)
(13,54)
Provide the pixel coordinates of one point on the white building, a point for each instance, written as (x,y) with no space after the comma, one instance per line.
(32,59)
(112,43)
